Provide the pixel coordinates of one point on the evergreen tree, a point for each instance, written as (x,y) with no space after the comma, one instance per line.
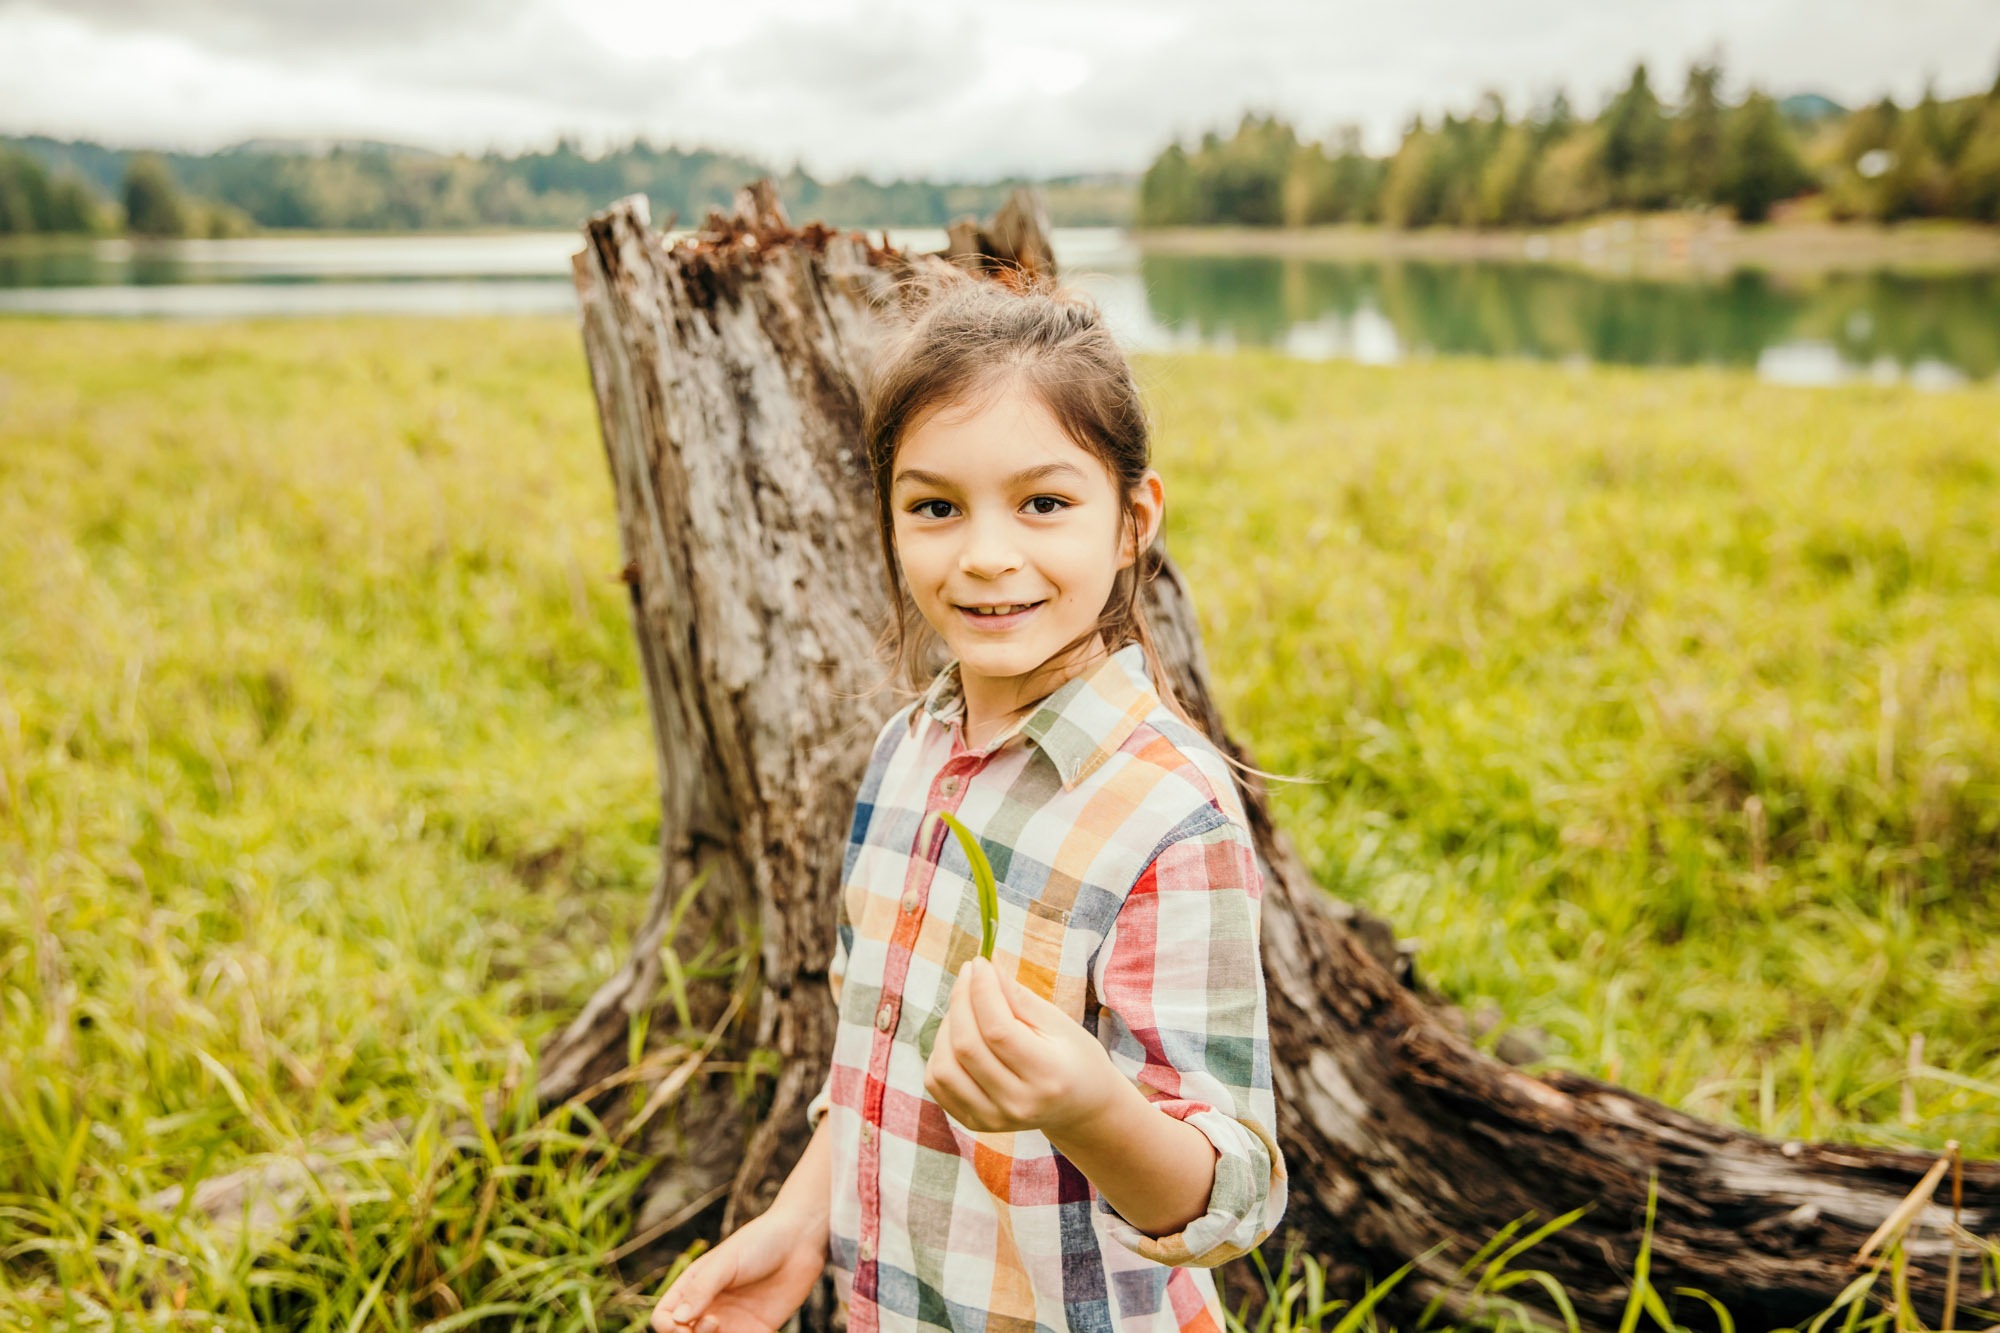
(1246,176)
(1569,178)
(24,194)
(1410,190)
(1869,129)
(1918,182)
(1976,177)
(1166,191)
(1761,160)
(152,203)
(1357,180)
(1506,185)
(1457,167)
(1932,127)
(1558,121)
(1635,145)
(73,206)
(1698,137)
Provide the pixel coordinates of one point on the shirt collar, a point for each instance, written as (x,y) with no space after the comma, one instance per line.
(1080,724)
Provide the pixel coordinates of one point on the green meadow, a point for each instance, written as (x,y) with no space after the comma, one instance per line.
(1661,708)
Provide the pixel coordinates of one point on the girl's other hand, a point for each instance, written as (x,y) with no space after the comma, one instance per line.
(1006,1059)
(750,1283)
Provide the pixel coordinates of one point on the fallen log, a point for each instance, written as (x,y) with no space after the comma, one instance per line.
(724,368)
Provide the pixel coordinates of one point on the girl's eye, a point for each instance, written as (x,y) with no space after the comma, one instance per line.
(922,507)
(1056,504)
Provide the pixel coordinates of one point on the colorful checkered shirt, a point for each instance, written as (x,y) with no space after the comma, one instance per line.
(1128,895)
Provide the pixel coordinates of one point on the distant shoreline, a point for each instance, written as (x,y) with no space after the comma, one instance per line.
(1663,245)
(1654,244)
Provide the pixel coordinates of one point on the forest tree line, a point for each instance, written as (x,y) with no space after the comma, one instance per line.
(1885,162)
(48,185)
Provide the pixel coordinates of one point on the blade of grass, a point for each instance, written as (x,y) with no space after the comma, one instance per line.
(1352,1319)
(982,879)
(1723,1320)
(1629,1320)
(1498,1239)
(1557,1294)
(1499,1264)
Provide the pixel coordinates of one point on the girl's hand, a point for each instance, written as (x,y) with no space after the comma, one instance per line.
(751,1282)
(1006,1059)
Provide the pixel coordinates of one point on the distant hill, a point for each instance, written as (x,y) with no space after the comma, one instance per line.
(1809,108)
(321,148)
(371,186)
(98,166)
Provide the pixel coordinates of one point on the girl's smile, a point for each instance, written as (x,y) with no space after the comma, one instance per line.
(992,619)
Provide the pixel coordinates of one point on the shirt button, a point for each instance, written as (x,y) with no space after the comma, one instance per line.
(949,786)
(867,1249)
(910,901)
(885,1017)
(868,1134)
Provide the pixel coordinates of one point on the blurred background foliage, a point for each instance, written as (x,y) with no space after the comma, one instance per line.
(1880,163)
(1644,151)
(385,187)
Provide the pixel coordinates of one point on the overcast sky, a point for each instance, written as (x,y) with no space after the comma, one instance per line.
(940,87)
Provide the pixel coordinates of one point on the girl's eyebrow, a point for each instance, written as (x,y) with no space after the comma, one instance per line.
(919,477)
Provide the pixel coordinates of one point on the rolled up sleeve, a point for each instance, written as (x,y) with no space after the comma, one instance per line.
(1181,984)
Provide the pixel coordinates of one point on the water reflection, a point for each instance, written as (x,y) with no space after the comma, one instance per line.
(1929,330)
(1830,327)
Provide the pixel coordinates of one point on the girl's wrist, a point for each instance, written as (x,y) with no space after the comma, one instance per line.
(1107,1100)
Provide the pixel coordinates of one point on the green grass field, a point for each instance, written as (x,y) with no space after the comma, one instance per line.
(1663,708)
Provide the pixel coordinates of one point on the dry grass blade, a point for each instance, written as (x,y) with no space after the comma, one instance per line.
(1898,1221)
(659,1229)
(670,1086)
(1957,1207)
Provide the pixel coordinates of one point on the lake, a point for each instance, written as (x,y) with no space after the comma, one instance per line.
(1934,331)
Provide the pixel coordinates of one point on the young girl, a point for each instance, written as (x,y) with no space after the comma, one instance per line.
(1070,1135)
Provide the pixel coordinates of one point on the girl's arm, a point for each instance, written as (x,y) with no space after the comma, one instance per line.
(1158,1172)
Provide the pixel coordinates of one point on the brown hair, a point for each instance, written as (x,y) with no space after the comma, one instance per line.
(968,337)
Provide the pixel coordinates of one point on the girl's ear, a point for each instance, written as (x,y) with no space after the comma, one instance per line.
(1149,505)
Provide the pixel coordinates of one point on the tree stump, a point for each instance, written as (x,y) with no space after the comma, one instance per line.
(725,369)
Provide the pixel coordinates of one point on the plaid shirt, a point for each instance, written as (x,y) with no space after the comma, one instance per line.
(1128,897)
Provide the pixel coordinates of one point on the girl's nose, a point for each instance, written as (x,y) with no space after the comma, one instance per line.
(989,551)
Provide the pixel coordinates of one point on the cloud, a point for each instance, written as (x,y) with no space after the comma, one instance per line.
(283,28)
(875,63)
(914,86)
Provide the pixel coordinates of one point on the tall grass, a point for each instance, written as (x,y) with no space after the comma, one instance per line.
(325,783)
(1661,707)
(1483,1290)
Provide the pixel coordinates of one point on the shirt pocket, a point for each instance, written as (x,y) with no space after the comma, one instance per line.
(1033,935)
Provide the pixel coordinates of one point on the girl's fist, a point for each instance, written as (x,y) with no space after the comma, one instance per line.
(1006,1059)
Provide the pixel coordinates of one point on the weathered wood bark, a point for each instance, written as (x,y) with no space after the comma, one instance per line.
(725,371)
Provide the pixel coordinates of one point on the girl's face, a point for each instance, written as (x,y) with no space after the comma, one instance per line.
(1009,535)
